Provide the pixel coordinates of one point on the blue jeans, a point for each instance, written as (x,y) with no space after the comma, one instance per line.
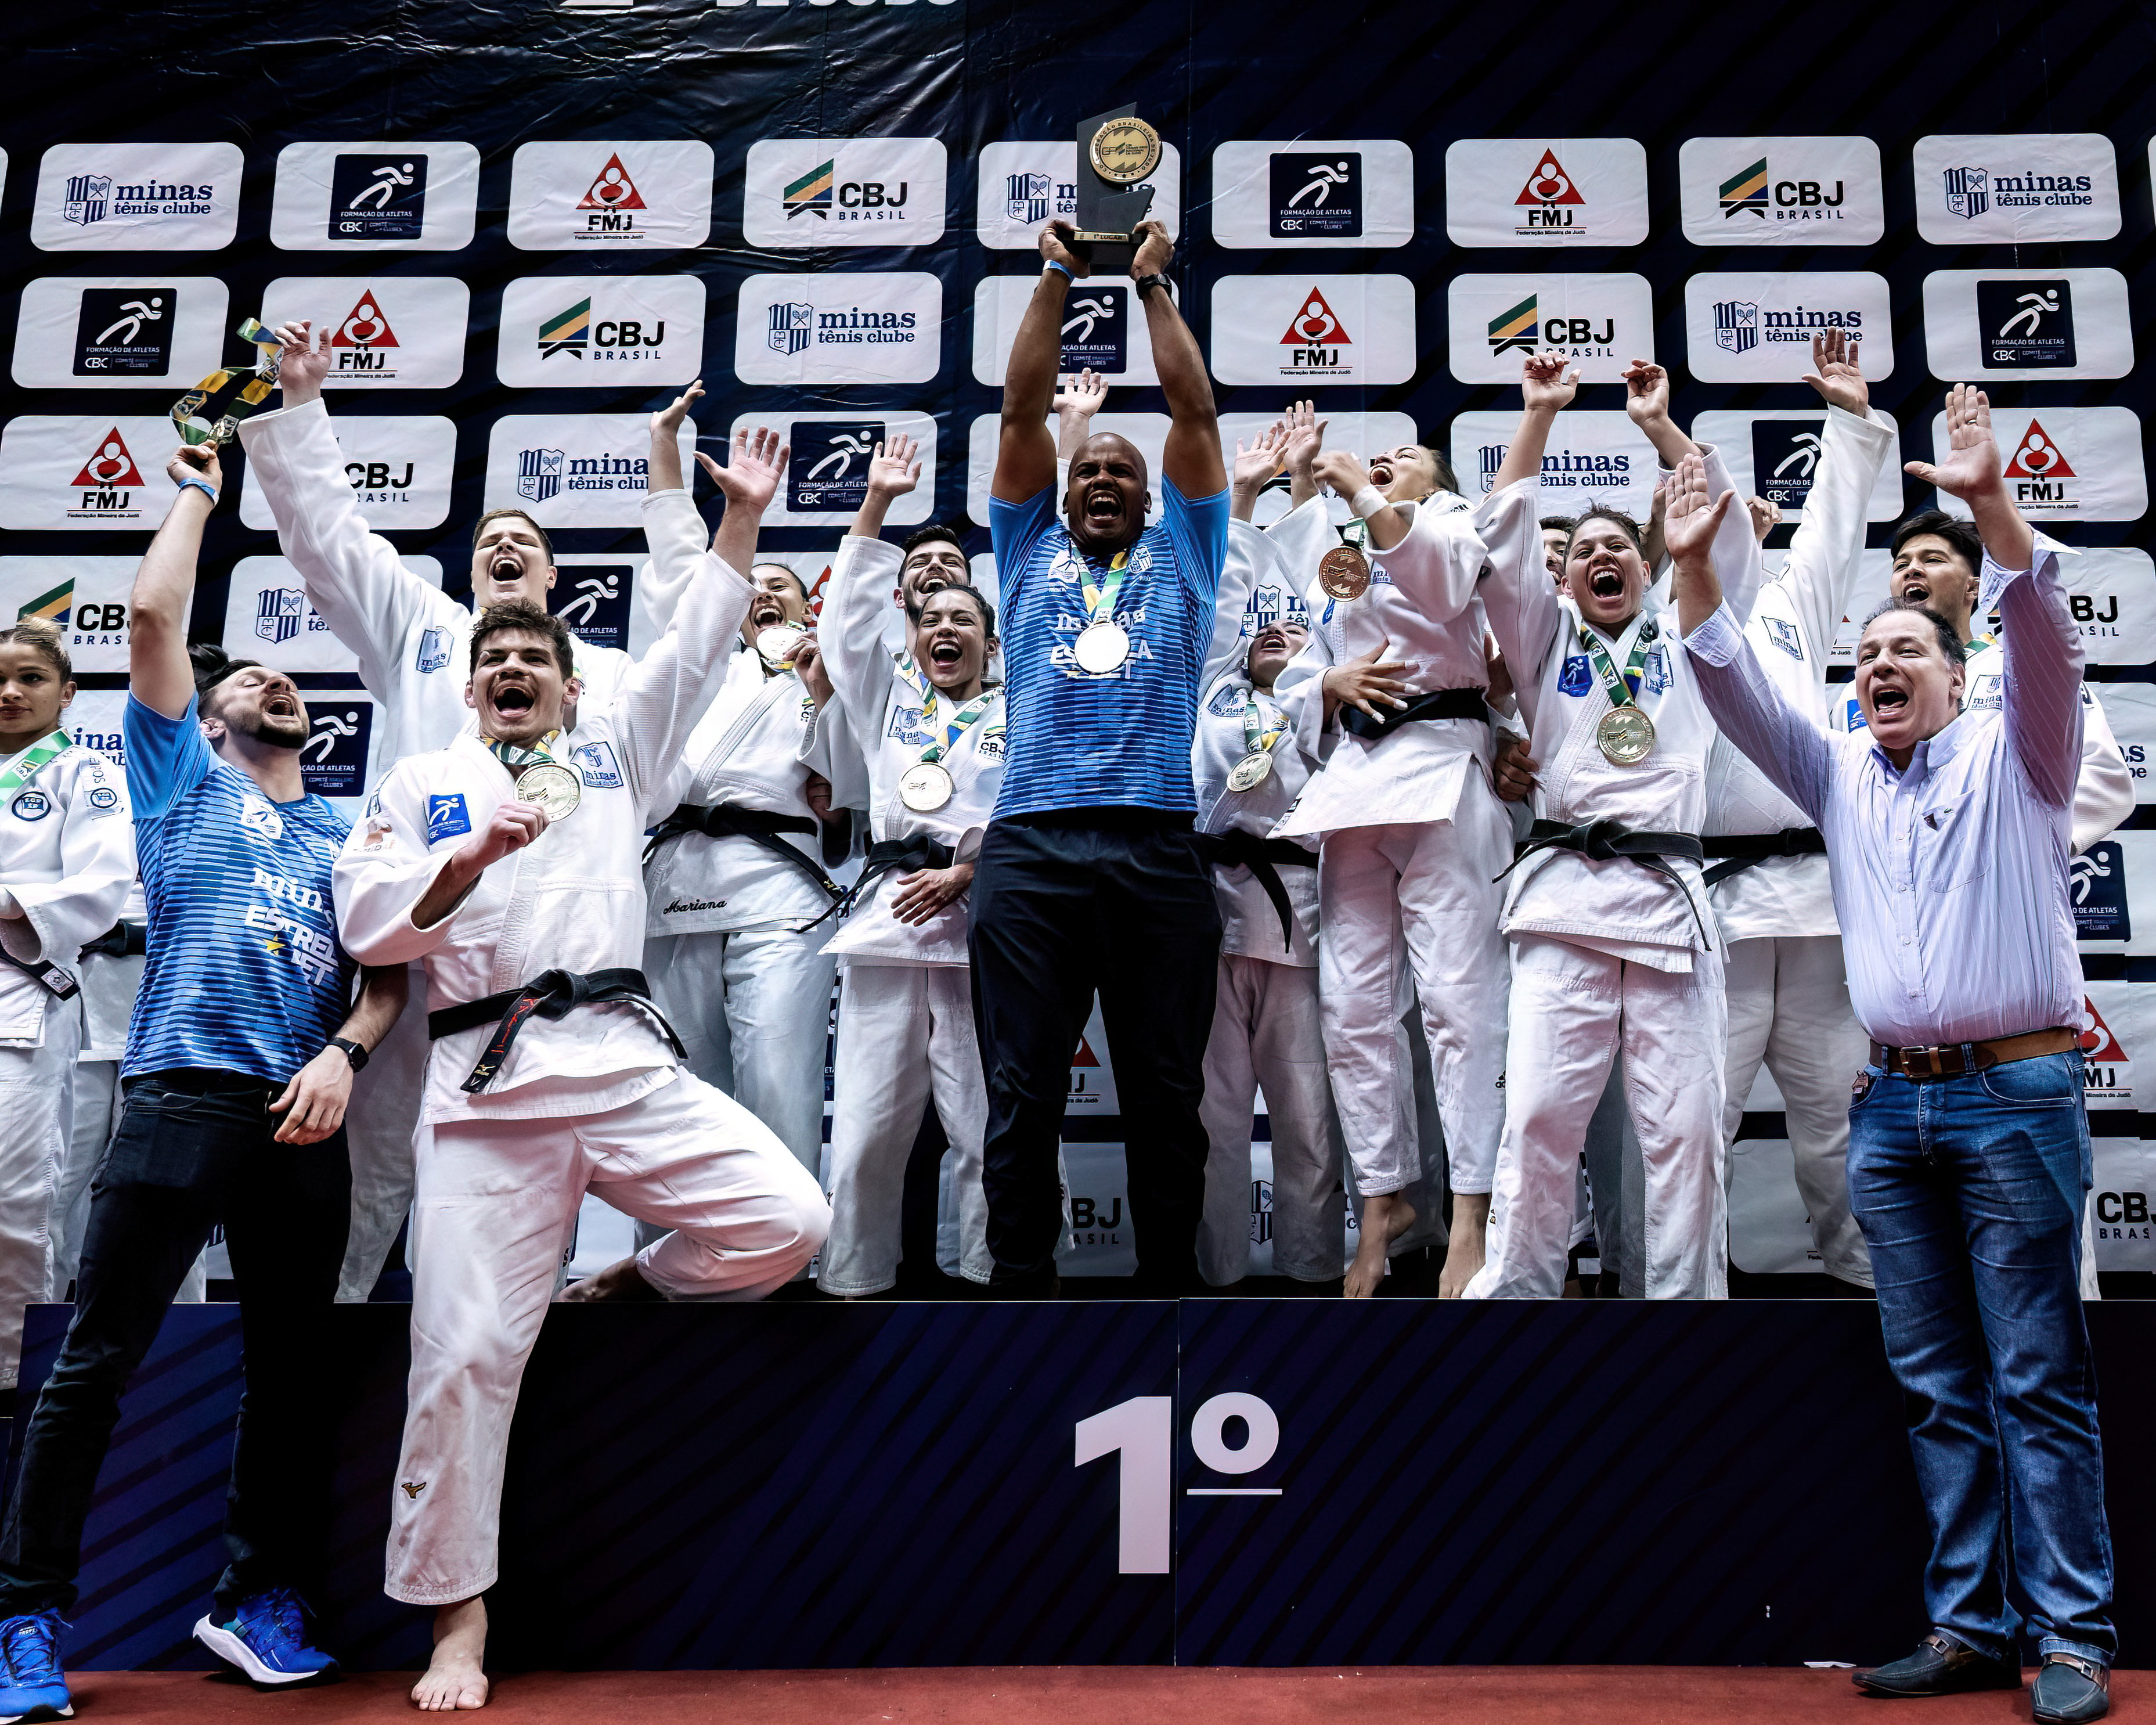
(1969,1192)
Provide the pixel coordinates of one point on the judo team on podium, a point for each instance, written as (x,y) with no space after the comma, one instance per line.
(1560,797)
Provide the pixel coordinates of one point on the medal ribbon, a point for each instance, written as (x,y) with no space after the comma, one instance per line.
(914,678)
(1355,533)
(1100,599)
(1257,708)
(517,759)
(32,760)
(186,411)
(1623,692)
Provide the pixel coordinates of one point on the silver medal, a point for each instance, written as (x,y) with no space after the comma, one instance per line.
(779,643)
(551,788)
(1625,735)
(1102,647)
(925,787)
(1251,772)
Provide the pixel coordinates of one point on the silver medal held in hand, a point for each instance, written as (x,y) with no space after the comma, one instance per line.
(1102,648)
(780,642)
(1626,735)
(925,787)
(1251,772)
(555,790)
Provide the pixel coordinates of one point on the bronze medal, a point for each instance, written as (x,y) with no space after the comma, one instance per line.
(1344,572)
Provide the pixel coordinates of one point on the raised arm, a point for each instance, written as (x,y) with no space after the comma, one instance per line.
(1025,451)
(673,530)
(1794,753)
(1077,400)
(157,669)
(865,570)
(1191,458)
(2039,641)
(894,470)
(1826,555)
(1545,390)
(1647,406)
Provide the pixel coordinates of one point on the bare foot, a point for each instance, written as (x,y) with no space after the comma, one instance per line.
(455,1680)
(1385,1218)
(1464,1256)
(617,1281)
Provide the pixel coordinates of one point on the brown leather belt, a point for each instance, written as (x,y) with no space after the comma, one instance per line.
(1951,1059)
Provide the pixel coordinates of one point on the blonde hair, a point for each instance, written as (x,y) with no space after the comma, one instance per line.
(42,638)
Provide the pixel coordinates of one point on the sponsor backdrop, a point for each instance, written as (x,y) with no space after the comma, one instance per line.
(526,226)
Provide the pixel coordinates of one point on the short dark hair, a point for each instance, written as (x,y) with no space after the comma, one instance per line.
(1447,479)
(987,604)
(928,535)
(479,527)
(785,569)
(1603,512)
(42,637)
(211,665)
(1950,641)
(1558,524)
(1967,542)
(525,619)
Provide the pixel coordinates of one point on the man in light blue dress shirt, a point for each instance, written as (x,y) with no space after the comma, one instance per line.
(1949,836)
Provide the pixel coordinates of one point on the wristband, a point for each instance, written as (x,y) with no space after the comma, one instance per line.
(1146,285)
(1369,501)
(201,485)
(1062,269)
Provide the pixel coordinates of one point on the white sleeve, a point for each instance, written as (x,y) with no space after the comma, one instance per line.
(2103,791)
(370,601)
(674,534)
(1441,558)
(672,687)
(382,873)
(1301,537)
(851,632)
(833,746)
(1519,599)
(1827,552)
(1249,553)
(97,863)
(1737,560)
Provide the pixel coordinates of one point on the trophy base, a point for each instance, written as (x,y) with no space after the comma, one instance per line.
(1090,238)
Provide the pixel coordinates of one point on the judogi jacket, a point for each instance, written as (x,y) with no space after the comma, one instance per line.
(67,859)
(571,900)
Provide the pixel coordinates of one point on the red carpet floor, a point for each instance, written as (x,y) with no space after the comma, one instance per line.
(1538,1694)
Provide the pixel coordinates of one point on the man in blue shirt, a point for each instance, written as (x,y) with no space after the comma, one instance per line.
(1090,877)
(240,1063)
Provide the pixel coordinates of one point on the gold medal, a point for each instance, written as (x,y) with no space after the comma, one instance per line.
(1124,151)
(1344,572)
(1253,770)
(925,787)
(1626,735)
(553,788)
(1102,648)
(779,644)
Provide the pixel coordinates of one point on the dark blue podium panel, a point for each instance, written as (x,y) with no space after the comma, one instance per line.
(1230,1482)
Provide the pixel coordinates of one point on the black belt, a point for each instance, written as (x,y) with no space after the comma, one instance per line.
(918,852)
(1438,704)
(552,995)
(759,826)
(1237,849)
(1744,849)
(123,940)
(47,975)
(1605,840)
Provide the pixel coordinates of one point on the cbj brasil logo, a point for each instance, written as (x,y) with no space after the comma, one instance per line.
(1752,190)
(572,331)
(90,625)
(820,192)
(1520,325)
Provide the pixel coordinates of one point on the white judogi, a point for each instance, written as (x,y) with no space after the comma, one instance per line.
(1787,999)
(1608,953)
(413,645)
(734,961)
(1268,1032)
(593,1100)
(905,1006)
(1413,837)
(67,859)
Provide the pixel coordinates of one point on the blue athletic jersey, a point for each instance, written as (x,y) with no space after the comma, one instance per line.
(1077,741)
(244,972)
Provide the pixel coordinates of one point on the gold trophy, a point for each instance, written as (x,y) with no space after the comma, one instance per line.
(1116,150)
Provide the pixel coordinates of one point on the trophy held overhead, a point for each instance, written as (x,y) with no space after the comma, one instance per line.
(1116,150)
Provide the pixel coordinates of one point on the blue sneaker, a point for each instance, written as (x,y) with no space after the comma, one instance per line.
(31,1686)
(267,1639)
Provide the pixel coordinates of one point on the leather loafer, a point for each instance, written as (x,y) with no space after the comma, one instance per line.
(1941,1666)
(2069,1689)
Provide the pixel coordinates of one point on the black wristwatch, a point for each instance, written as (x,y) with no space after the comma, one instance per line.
(352,1051)
(1146,284)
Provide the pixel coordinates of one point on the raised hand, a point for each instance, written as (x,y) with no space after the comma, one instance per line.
(1972,467)
(1647,393)
(1265,456)
(895,469)
(196,461)
(1765,514)
(1692,517)
(1545,385)
(816,678)
(1058,242)
(300,365)
(667,421)
(1081,396)
(1835,375)
(1342,471)
(1306,436)
(1155,250)
(750,478)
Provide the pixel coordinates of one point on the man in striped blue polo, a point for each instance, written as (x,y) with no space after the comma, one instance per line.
(1090,878)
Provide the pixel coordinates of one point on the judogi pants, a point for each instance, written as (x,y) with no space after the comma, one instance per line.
(495,1209)
(1431,884)
(1789,1005)
(37,1088)
(753,1009)
(1062,907)
(1267,1034)
(906,1033)
(380,1122)
(97,1097)
(1572,1009)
